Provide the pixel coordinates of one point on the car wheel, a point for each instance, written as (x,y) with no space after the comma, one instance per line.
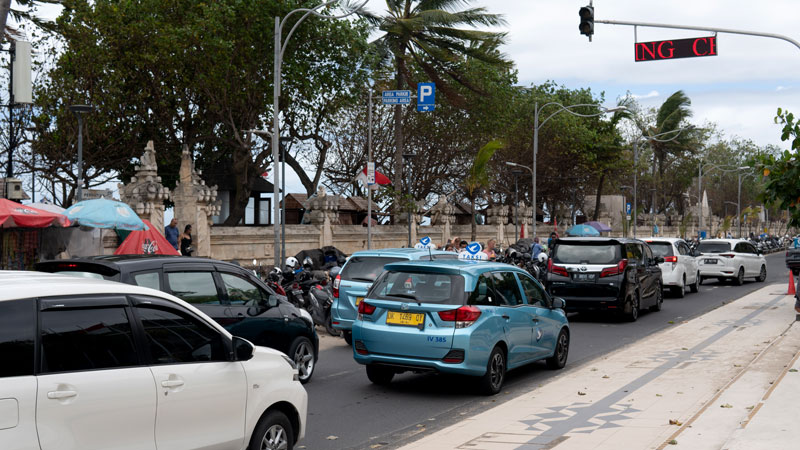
(273,432)
(559,358)
(762,276)
(330,329)
(694,287)
(379,375)
(348,337)
(492,381)
(739,280)
(302,353)
(680,291)
(660,298)
(633,314)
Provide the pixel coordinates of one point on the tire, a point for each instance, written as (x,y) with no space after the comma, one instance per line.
(695,287)
(700,280)
(302,353)
(762,276)
(273,431)
(559,358)
(329,327)
(633,314)
(660,298)
(680,291)
(492,381)
(379,375)
(348,337)
(739,280)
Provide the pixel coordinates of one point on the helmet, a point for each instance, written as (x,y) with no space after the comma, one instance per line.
(292,262)
(542,257)
(308,262)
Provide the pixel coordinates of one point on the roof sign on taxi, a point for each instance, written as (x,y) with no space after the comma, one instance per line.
(473,252)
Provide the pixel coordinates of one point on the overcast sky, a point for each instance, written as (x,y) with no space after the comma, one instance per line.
(739,90)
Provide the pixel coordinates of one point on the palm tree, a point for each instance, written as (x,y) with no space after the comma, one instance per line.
(426,33)
(26,11)
(478,177)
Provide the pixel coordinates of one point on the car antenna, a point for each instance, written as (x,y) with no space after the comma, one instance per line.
(430,253)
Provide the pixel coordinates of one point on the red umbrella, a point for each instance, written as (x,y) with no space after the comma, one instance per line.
(146,242)
(13,214)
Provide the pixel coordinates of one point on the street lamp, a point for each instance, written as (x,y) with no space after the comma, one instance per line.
(516,173)
(280,48)
(407,159)
(739,199)
(79,110)
(725,169)
(536,126)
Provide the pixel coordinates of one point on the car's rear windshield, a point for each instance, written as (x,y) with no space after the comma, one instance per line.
(661,248)
(366,268)
(407,286)
(586,253)
(714,247)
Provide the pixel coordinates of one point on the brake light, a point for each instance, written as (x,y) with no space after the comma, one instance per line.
(366,308)
(616,270)
(67,266)
(336,282)
(671,259)
(463,316)
(727,255)
(558,270)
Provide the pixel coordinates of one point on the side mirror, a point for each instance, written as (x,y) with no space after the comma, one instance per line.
(658,259)
(559,303)
(272,301)
(242,349)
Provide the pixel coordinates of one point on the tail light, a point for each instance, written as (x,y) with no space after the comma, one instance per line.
(616,270)
(671,259)
(361,349)
(558,270)
(463,316)
(727,255)
(366,308)
(454,357)
(336,282)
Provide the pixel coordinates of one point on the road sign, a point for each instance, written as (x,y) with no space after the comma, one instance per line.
(396,97)
(426,97)
(628,217)
(628,208)
(676,48)
(425,241)
(370,173)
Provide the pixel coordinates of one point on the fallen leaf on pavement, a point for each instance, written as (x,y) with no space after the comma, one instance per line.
(332,438)
(659,395)
(675,422)
(792,370)
(606,376)
(671,321)
(684,348)
(726,405)
(673,442)
(737,365)
(581,393)
(750,408)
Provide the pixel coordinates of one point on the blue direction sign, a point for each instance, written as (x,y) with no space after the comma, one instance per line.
(426,97)
(628,208)
(396,97)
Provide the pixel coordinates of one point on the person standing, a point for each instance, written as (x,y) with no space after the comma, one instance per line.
(186,241)
(171,232)
(489,250)
(536,248)
(551,240)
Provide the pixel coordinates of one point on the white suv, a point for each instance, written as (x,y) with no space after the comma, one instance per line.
(732,259)
(679,268)
(91,364)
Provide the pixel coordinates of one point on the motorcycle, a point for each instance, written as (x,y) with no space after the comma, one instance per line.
(305,290)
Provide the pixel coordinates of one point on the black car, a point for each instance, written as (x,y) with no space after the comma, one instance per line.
(227,293)
(605,274)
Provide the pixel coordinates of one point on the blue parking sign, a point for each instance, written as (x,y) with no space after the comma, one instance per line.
(426,97)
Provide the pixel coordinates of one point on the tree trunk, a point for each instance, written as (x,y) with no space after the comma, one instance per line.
(241,175)
(473,221)
(399,140)
(599,194)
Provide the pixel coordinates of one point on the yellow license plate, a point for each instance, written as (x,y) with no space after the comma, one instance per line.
(358,300)
(401,318)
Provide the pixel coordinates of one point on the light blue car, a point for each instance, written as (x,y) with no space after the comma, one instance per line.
(357,275)
(463,317)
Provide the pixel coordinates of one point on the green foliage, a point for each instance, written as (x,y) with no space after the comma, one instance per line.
(684,225)
(478,177)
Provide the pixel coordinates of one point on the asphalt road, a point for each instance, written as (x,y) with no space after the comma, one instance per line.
(347,411)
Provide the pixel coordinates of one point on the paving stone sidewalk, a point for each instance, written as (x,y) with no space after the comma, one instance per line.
(714,382)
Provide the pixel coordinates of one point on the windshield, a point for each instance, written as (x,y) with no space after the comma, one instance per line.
(419,287)
(366,268)
(588,253)
(714,247)
(661,248)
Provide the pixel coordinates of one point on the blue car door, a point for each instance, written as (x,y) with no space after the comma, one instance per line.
(545,326)
(518,317)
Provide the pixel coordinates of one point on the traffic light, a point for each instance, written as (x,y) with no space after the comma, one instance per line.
(587,21)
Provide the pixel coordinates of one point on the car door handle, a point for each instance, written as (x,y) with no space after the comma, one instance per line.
(505,316)
(60,395)
(171,383)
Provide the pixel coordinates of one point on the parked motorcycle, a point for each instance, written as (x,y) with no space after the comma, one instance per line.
(304,288)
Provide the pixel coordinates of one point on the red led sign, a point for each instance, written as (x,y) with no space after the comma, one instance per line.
(676,48)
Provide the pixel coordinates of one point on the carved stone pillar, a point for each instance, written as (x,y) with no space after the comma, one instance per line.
(443,214)
(523,213)
(323,210)
(195,204)
(144,193)
(497,216)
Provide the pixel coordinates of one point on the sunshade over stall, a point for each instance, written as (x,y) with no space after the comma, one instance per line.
(146,242)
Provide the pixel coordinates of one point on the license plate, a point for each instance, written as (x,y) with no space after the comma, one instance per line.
(710,261)
(583,276)
(401,318)
(358,300)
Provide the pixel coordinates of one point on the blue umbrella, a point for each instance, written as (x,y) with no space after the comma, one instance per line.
(582,230)
(102,213)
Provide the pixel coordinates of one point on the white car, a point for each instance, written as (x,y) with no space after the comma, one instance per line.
(731,259)
(92,364)
(679,268)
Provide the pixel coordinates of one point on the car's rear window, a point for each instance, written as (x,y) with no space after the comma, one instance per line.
(714,247)
(586,253)
(661,248)
(366,268)
(407,286)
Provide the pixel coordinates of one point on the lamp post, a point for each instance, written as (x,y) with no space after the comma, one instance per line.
(739,199)
(625,204)
(537,125)
(407,159)
(516,173)
(79,110)
(280,48)
(533,175)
